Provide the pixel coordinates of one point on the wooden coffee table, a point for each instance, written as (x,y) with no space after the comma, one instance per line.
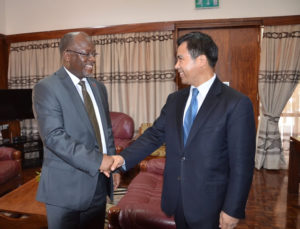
(19,209)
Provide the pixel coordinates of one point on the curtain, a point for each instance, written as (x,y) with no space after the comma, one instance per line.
(28,63)
(279,74)
(138,72)
(289,123)
(136,68)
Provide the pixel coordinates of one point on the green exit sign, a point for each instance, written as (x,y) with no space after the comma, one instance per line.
(207,3)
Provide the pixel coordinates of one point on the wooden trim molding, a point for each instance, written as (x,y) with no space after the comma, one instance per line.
(158,26)
(218,23)
(130,28)
(284,20)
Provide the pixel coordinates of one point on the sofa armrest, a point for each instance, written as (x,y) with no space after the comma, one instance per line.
(113,217)
(119,149)
(155,165)
(9,153)
(17,156)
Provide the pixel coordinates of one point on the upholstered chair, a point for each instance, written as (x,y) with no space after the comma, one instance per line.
(123,129)
(10,169)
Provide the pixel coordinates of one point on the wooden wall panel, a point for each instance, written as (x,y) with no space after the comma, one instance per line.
(3,62)
(238,61)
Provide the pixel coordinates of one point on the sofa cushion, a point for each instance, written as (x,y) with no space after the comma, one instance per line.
(161,151)
(8,170)
(143,216)
(155,165)
(141,206)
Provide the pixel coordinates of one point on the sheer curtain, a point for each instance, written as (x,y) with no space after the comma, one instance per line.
(289,123)
(278,76)
(138,72)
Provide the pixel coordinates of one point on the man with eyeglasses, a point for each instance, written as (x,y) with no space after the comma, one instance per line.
(72,112)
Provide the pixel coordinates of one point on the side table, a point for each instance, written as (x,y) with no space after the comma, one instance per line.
(19,208)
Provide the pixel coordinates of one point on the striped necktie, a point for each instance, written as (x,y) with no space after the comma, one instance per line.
(91,112)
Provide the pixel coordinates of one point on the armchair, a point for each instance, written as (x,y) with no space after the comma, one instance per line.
(10,169)
(123,129)
(140,206)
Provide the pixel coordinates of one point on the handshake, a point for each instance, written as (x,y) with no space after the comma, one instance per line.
(110,163)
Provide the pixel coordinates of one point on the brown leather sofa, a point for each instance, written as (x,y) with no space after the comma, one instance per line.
(123,129)
(10,169)
(140,207)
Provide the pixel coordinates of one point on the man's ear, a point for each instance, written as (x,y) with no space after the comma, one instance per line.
(202,60)
(66,56)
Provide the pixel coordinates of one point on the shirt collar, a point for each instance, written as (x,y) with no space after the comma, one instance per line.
(74,78)
(204,88)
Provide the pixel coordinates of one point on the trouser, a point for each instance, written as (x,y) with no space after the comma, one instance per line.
(181,222)
(179,217)
(93,217)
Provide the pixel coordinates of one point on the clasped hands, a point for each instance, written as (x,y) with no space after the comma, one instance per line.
(110,163)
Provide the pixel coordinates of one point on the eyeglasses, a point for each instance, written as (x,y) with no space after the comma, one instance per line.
(93,54)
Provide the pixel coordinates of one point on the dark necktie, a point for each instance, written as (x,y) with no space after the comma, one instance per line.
(91,112)
(190,115)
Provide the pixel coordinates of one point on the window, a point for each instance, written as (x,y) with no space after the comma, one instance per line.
(289,123)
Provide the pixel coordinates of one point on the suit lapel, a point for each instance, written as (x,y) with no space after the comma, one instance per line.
(210,102)
(180,111)
(99,101)
(75,98)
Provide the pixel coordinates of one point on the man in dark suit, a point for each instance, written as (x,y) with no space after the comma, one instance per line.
(74,123)
(209,161)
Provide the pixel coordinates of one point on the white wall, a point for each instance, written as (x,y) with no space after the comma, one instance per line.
(2,16)
(46,15)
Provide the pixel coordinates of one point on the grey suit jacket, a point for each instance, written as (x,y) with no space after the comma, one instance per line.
(71,153)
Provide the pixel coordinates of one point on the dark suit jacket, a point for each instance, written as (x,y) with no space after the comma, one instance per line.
(71,152)
(214,170)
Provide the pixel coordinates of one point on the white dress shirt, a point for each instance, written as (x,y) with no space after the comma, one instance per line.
(75,81)
(203,90)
